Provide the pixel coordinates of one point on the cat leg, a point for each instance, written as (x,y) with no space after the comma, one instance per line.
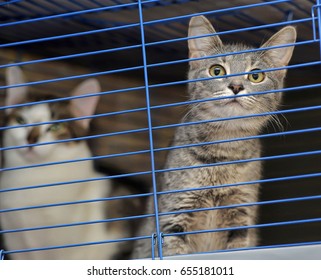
(185,222)
(177,244)
(243,216)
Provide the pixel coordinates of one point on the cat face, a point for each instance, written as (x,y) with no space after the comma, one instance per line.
(29,135)
(35,124)
(234,92)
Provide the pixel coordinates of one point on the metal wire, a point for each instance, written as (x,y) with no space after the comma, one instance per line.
(311,20)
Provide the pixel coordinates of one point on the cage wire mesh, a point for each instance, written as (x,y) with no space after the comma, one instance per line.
(138,52)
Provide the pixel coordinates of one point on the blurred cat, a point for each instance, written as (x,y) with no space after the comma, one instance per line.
(30,127)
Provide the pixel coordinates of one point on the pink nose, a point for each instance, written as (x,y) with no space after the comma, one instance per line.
(236,88)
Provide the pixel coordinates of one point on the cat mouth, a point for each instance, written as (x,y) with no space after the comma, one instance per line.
(233,101)
(29,152)
(238,105)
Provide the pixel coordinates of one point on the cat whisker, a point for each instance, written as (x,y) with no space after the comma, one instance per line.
(276,120)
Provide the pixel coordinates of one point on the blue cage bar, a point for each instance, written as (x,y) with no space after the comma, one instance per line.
(138,49)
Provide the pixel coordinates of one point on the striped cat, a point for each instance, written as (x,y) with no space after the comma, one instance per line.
(234,98)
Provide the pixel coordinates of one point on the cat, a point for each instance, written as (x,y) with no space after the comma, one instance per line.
(39,117)
(234,98)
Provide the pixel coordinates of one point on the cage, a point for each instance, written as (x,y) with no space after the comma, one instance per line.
(138,52)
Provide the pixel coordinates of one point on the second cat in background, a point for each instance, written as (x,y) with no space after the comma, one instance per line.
(39,136)
(236,98)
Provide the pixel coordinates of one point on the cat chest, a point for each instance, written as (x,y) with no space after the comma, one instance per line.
(49,187)
(216,176)
(228,174)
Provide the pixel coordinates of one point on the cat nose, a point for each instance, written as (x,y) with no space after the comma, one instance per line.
(236,88)
(33,135)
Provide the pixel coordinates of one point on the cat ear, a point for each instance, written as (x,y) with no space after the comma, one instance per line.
(281,56)
(15,95)
(198,47)
(82,107)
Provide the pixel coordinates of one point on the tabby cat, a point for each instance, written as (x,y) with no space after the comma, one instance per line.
(233,98)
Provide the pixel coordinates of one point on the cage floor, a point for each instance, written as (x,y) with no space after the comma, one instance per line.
(302,252)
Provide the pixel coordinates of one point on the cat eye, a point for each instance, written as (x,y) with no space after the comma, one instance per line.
(217,70)
(256,77)
(20,120)
(55,127)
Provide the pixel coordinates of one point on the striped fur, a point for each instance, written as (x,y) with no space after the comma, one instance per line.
(228,160)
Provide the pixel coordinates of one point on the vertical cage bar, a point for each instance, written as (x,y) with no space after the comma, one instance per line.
(1,255)
(153,243)
(150,131)
(319,22)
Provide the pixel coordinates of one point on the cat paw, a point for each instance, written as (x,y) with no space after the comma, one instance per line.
(240,244)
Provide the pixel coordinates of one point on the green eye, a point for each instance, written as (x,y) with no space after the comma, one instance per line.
(55,127)
(20,120)
(256,77)
(217,70)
